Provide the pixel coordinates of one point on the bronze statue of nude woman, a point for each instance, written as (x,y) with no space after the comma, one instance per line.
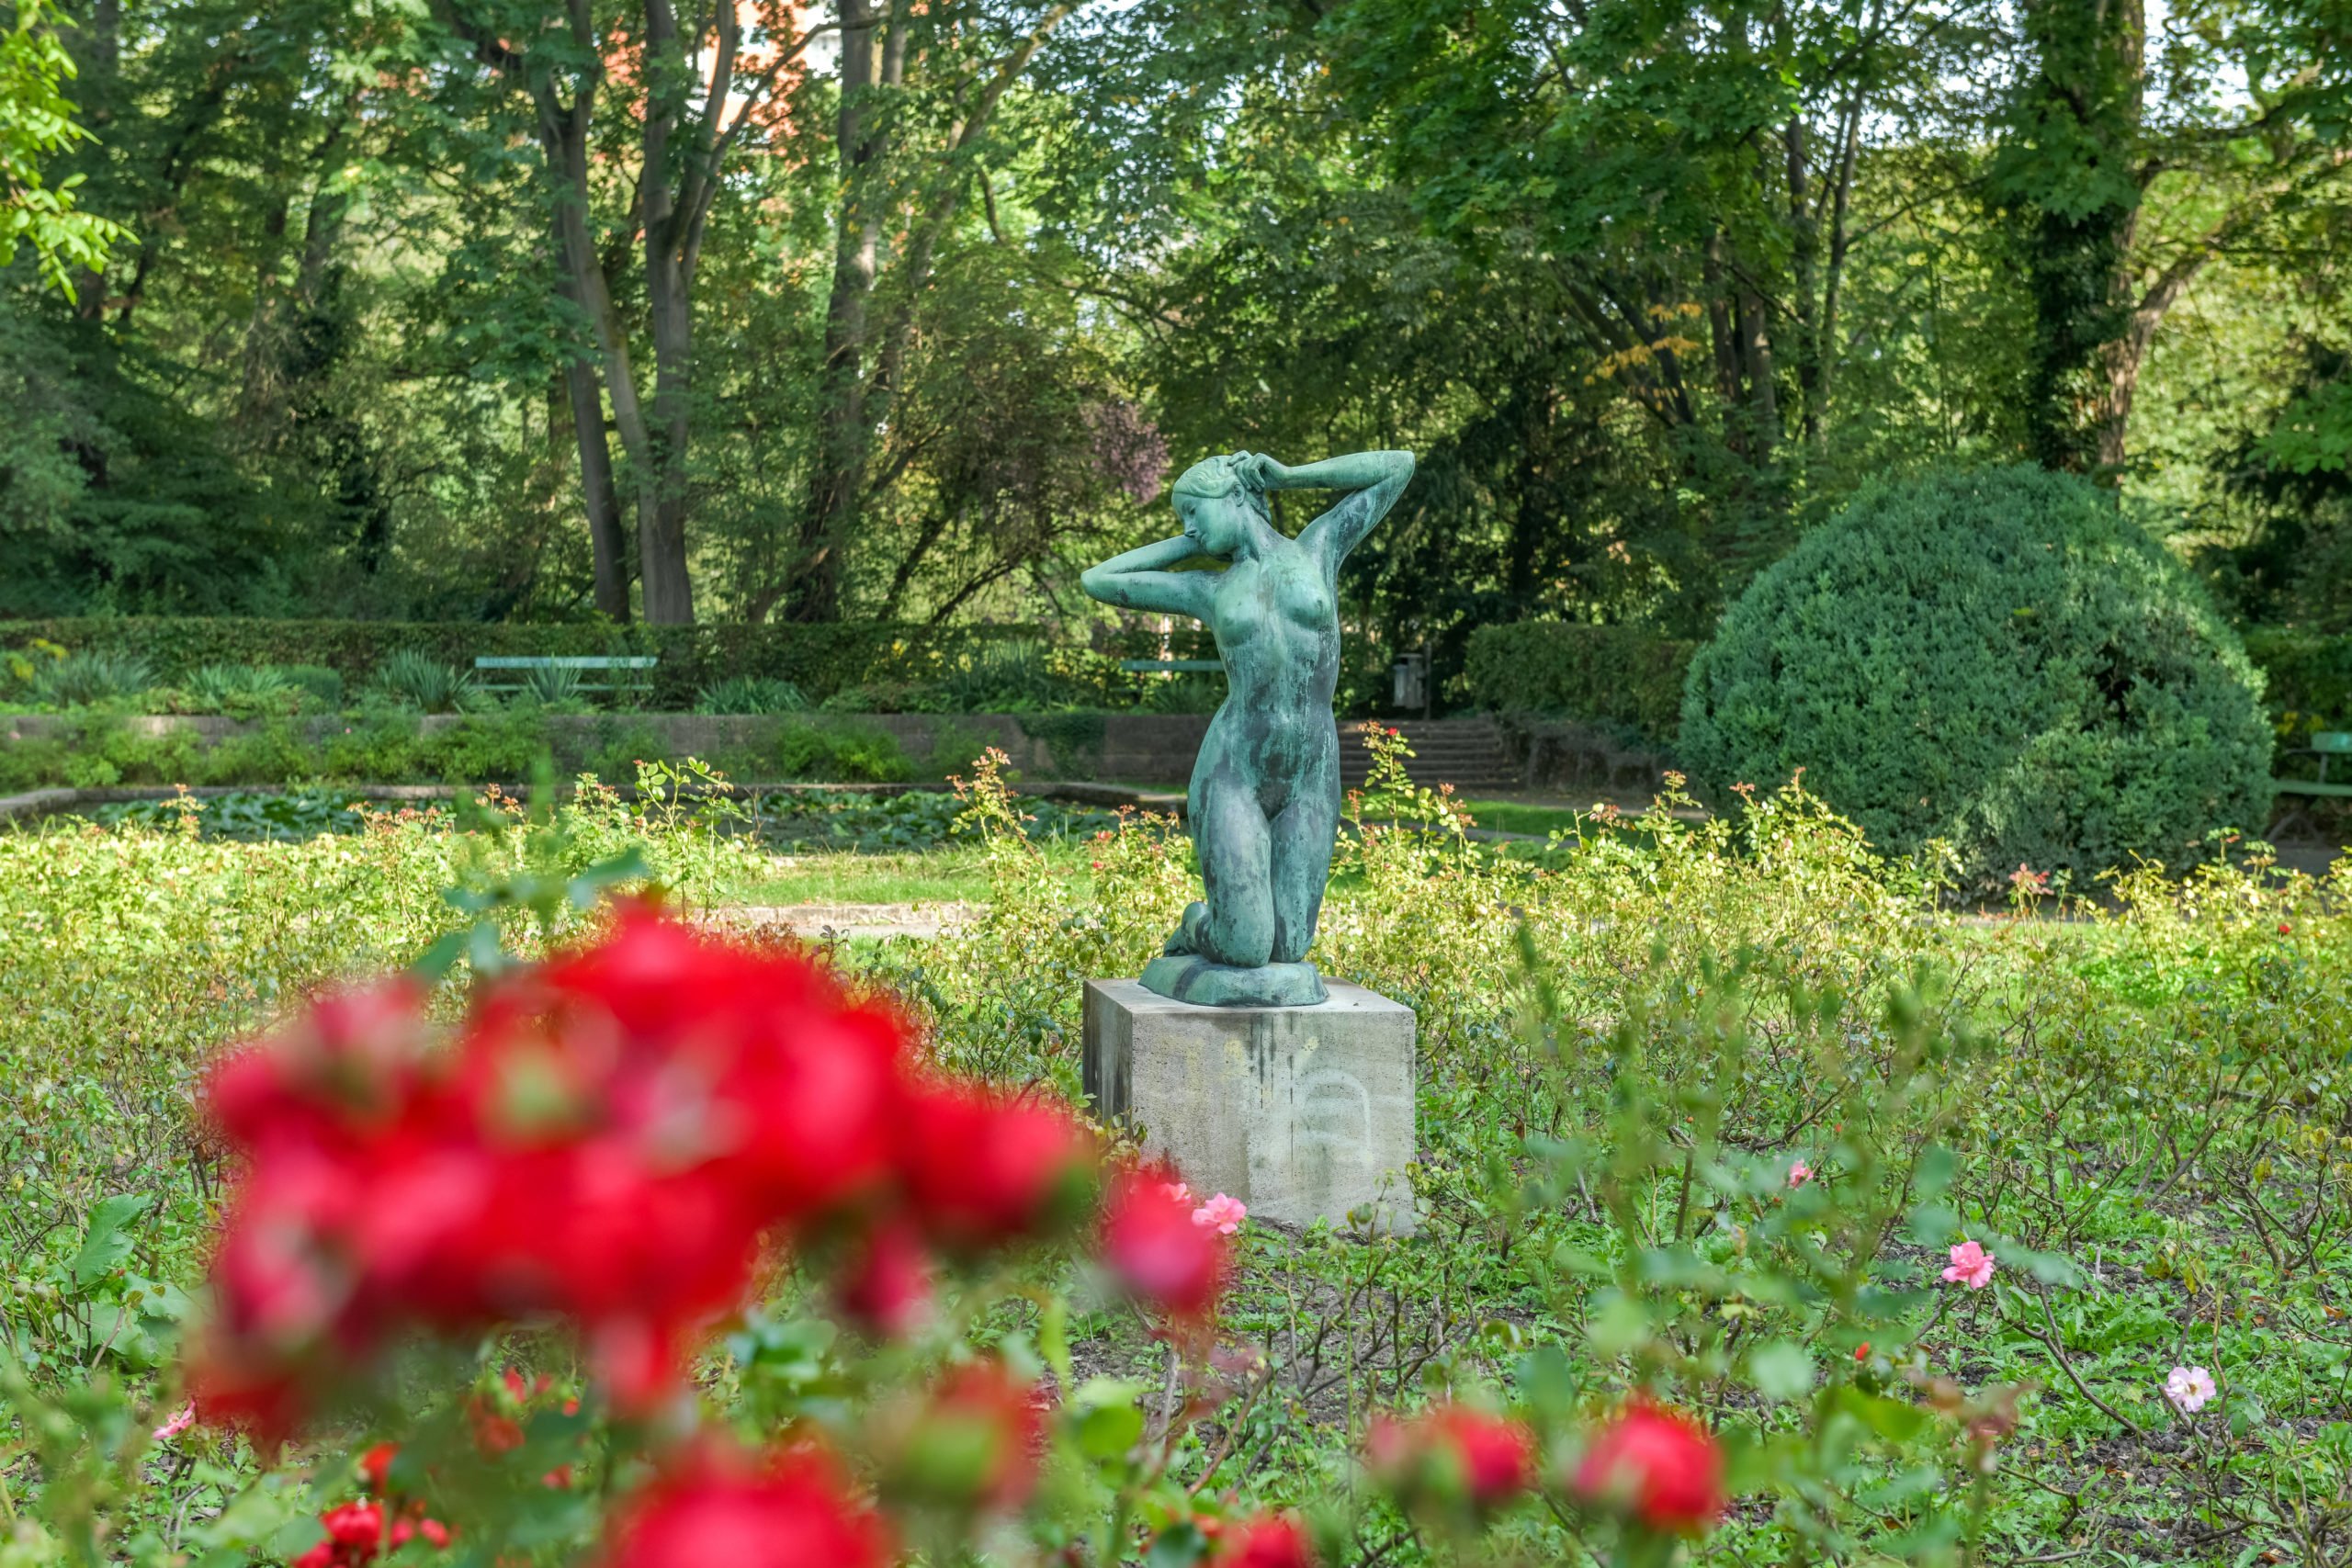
(1264,805)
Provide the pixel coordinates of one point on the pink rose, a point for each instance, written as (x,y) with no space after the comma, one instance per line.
(1970,1267)
(1223,1214)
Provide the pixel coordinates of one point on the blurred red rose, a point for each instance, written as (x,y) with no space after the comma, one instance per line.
(718,1508)
(1155,1251)
(1659,1465)
(885,1284)
(1454,1452)
(981,1168)
(1274,1541)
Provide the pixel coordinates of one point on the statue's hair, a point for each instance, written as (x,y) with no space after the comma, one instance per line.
(1220,476)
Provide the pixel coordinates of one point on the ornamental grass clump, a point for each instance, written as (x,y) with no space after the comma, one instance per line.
(1999,661)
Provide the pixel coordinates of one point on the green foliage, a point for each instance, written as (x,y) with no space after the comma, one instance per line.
(910,820)
(554,684)
(322,686)
(36,123)
(1074,738)
(1995,660)
(1011,677)
(751,694)
(91,675)
(423,682)
(380,746)
(289,817)
(241,691)
(818,658)
(2307,677)
(2293,474)
(1625,675)
(831,751)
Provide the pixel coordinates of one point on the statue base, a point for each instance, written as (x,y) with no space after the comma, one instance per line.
(1185,977)
(1303,1113)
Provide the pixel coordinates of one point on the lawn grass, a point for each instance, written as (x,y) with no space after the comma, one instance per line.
(956,873)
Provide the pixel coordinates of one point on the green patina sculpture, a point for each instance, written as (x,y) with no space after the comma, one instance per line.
(1264,805)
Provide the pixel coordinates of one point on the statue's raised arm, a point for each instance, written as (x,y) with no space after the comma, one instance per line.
(1375,480)
(1141,579)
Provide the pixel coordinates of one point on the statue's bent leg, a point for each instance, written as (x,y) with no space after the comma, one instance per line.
(1231,834)
(1303,836)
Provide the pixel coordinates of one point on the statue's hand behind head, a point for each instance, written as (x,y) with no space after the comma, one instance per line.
(1254,469)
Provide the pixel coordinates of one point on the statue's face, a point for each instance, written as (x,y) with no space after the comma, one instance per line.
(1219,524)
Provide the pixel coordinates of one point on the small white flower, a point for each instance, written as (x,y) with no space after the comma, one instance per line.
(2190,1389)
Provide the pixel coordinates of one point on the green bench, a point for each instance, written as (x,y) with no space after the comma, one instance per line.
(2324,745)
(611,662)
(1160,666)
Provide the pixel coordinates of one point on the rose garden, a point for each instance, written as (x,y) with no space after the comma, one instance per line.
(691,873)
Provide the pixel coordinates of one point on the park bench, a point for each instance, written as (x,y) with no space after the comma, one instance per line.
(614,662)
(2324,745)
(1168,666)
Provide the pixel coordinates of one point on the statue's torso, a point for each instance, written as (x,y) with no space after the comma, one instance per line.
(1277,625)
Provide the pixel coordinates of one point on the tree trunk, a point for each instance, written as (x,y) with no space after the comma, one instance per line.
(1724,339)
(564,139)
(1805,232)
(667,591)
(1840,241)
(830,510)
(99,55)
(608,540)
(661,544)
(1756,361)
(2071,178)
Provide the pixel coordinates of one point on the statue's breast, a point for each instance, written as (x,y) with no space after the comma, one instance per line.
(1282,601)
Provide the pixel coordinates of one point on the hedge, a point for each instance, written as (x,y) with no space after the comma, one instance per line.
(1622,676)
(1627,675)
(2309,678)
(820,658)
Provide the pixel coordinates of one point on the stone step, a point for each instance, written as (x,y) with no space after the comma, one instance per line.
(1468,753)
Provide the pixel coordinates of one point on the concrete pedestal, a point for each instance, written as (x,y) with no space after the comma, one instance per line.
(1302,1113)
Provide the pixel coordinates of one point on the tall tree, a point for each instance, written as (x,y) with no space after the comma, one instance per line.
(693,89)
(2115,214)
(920,90)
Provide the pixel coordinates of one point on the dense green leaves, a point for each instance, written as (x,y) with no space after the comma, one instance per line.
(1999,660)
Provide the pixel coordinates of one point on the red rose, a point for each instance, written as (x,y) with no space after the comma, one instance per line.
(434,1532)
(1454,1451)
(1274,1541)
(981,1168)
(355,1527)
(794,1511)
(1661,1466)
(885,1287)
(1153,1247)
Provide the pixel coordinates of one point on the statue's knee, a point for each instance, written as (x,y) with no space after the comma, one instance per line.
(1253,951)
(1248,940)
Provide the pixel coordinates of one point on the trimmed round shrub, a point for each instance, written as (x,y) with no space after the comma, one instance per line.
(1994,658)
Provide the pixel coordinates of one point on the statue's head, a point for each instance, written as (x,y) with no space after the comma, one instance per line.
(1217,499)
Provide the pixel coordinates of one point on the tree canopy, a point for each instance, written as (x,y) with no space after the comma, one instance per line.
(474,308)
